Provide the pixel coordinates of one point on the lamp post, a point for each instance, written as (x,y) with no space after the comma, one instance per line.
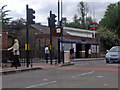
(58,30)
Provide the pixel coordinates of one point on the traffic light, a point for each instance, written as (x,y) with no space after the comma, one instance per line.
(48,22)
(52,20)
(30,16)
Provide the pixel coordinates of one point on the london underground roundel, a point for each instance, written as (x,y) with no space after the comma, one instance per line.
(94,26)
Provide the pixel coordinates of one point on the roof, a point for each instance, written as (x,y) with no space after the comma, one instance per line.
(42,29)
(67,31)
(79,32)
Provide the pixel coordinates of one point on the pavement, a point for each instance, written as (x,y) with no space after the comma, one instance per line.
(39,65)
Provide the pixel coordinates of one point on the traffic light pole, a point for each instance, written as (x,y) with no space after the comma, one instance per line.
(58,34)
(27,39)
(50,41)
(58,48)
(30,17)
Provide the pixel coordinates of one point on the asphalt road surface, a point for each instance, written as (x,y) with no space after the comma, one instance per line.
(84,74)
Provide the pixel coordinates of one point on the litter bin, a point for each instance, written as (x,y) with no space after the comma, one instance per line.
(66,56)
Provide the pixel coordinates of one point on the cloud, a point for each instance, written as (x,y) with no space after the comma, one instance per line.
(43,7)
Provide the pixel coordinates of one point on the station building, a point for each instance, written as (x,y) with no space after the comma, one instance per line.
(79,39)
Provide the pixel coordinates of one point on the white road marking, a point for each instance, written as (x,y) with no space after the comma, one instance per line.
(82,74)
(99,76)
(105,84)
(41,84)
(90,72)
(76,76)
(45,79)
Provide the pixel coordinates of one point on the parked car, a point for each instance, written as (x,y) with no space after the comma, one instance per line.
(113,55)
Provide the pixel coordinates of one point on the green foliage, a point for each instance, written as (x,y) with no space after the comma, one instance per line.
(64,21)
(4,19)
(82,20)
(17,24)
(111,18)
(82,11)
(109,26)
(108,38)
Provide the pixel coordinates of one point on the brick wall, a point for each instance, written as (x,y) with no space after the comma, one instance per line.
(39,40)
(45,40)
(4,40)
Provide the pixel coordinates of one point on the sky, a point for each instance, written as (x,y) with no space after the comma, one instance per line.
(42,8)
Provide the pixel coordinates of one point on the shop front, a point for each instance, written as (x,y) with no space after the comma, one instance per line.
(81,49)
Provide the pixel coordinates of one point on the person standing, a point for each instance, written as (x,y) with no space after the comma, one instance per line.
(46,54)
(16,53)
(62,53)
(89,53)
(71,53)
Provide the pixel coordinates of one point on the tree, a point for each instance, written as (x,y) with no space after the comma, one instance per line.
(89,20)
(83,10)
(4,19)
(111,18)
(64,21)
(108,38)
(17,24)
(109,26)
(82,20)
(74,24)
(76,19)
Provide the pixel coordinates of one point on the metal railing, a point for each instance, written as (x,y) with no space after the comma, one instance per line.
(7,56)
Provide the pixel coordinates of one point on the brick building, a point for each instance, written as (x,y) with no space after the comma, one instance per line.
(4,40)
(81,40)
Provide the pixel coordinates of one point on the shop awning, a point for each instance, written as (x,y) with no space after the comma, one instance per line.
(78,42)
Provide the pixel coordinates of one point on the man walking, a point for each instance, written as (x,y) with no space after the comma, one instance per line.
(46,54)
(71,53)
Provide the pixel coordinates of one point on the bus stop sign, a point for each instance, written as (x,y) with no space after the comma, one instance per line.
(94,26)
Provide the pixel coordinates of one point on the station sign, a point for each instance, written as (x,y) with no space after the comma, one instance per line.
(94,25)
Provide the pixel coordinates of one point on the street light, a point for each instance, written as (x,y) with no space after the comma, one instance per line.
(58,30)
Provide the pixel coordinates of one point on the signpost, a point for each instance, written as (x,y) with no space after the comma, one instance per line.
(94,26)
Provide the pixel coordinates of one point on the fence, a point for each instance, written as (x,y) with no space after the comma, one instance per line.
(34,56)
(7,56)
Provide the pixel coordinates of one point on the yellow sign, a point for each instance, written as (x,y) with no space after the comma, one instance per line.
(50,47)
(26,46)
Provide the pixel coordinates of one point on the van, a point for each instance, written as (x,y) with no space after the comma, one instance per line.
(113,55)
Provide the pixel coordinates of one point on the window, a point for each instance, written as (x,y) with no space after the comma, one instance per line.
(93,48)
(115,49)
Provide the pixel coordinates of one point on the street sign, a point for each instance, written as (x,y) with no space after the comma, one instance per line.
(55,32)
(94,26)
(58,30)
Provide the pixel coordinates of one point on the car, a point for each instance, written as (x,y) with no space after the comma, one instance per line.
(113,55)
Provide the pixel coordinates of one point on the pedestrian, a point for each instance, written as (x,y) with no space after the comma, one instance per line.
(46,53)
(71,53)
(89,53)
(16,53)
(62,53)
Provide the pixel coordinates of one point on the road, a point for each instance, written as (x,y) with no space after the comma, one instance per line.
(84,74)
